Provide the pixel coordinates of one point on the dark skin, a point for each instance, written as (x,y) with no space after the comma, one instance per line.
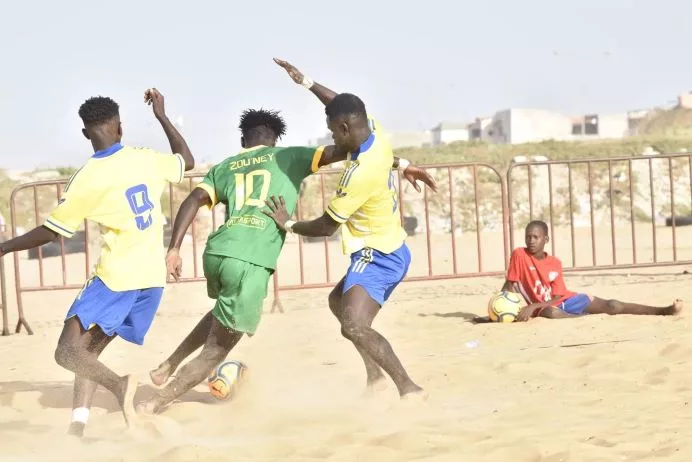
(355,310)
(78,349)
(216,341)
(536,239)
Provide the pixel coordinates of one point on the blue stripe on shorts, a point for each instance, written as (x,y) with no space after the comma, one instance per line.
(576,304)
(377,272)
(128,314)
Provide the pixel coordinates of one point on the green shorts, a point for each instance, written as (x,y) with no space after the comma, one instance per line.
(239,289)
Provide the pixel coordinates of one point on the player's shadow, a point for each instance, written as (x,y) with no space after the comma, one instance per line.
(58,395)
(468,317)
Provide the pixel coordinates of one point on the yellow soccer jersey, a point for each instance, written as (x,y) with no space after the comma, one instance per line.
(367,200)
(120,188)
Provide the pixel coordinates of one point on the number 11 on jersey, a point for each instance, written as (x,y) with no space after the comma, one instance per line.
(245,186)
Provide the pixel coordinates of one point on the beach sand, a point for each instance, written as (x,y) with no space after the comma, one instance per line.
(597,388)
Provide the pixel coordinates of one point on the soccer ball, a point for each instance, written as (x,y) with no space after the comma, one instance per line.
(504,306)
(225,379)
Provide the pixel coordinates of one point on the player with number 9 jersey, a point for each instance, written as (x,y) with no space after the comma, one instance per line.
(120,188)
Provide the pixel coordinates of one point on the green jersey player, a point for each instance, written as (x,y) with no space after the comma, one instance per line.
(241,255)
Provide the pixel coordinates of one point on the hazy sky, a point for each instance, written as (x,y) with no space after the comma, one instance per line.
(413,65)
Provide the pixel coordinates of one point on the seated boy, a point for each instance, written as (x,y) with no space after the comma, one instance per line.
(537,276)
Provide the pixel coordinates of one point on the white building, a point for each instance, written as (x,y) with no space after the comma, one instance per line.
(448,132)
(479,129)
(516,126)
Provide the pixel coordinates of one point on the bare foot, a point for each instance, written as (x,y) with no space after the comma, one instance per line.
(161,374)
(417,396)
(128,402)
(677,307)
(374,387)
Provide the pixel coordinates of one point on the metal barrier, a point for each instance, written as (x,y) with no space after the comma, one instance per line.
(621,197)
(468,227)
(455,220)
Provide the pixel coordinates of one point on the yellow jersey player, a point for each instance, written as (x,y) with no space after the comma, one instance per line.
(120,188)
(241,255)
(366,203)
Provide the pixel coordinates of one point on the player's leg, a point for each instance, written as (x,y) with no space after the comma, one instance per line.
(238,311)
(220,341)
(369,282)
(374,372)
(601,306)
(211,264)
(73,354)
(194,340)
(85,389)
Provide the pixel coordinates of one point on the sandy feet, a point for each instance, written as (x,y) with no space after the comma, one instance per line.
(128,403)
(677,306)
(161,374)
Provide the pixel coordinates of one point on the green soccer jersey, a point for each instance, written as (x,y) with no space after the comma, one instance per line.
(242,183)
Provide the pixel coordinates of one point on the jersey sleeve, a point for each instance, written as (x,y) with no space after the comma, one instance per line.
(209,184)
(514,269)
(302,161)
(170,166)
(74,207)
(558,286)
(353,191)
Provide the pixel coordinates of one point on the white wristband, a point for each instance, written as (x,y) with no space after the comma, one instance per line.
(403,164)
(307,82)
(289,226)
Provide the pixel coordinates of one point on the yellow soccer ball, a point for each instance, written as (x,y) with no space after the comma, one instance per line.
(504,306)
(225,379)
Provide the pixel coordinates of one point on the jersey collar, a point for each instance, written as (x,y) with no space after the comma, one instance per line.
(108,151)
(367,144)
(244,150)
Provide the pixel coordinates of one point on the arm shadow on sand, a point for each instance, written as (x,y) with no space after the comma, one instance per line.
(468,317)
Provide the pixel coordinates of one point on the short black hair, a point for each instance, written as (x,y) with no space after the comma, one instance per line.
(538,224)
(252,119)
(345,104)
(98,110)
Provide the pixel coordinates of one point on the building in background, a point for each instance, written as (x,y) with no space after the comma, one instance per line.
(448,132)
(397,138)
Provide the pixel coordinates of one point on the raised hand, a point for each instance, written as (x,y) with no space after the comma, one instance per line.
(154,98)
(292,71)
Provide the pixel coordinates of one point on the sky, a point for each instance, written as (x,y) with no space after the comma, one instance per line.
(413,63)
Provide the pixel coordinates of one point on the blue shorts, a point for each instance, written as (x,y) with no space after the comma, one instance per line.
(576,304)
(128,314)
(376,272)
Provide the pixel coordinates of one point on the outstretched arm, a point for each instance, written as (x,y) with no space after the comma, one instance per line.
(319,227)
(413,174)
(178,145)
(34,238)
(323,93)
(188,210)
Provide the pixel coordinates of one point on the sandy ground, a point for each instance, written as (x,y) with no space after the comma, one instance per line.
(592,389)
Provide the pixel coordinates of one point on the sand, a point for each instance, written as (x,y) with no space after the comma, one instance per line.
(597,388)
